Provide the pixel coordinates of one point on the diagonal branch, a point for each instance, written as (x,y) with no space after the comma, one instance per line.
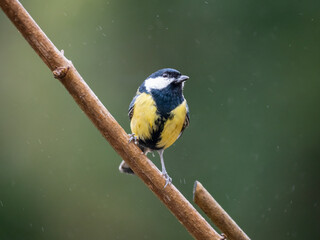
(217,214)
(64,70)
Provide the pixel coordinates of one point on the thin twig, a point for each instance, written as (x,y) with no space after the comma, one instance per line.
(64,70)
(216,213)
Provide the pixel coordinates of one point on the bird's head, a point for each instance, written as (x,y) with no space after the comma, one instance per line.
(163,78)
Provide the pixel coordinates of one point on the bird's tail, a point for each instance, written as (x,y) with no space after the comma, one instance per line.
(124,168)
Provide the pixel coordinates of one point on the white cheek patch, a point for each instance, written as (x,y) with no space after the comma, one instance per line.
(157,83)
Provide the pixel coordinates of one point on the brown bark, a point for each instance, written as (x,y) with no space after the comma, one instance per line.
(216,213)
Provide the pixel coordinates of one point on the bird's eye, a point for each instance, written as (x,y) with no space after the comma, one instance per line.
(165,75)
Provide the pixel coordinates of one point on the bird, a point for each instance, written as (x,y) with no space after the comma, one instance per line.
(158,115)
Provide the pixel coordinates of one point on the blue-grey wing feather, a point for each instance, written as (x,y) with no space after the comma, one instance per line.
(131,107)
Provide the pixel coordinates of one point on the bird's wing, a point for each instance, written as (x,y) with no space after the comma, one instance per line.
(186,121)
(131,107)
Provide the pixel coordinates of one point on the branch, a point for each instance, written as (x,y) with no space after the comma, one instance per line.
(216,213)
(64,70)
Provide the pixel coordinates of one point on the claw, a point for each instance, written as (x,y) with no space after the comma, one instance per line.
(133,138)
(168,179)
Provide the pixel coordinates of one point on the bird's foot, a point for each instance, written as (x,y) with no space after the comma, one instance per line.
(133,138)
(168,179)
(224,237)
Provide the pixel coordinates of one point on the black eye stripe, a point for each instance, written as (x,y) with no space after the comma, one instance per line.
(171,75)
(165,75)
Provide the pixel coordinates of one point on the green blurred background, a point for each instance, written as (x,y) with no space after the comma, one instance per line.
(253,94)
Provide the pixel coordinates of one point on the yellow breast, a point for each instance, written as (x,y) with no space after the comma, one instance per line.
(173,126)
(144,117)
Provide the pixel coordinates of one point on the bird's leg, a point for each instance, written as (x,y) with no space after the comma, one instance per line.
(133,138)
(164,172)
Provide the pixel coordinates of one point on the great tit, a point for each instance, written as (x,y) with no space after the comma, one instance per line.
(158,114)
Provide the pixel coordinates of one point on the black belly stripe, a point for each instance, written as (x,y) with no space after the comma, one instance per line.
(155,135)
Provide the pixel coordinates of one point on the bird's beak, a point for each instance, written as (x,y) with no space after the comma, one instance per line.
(182,79)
